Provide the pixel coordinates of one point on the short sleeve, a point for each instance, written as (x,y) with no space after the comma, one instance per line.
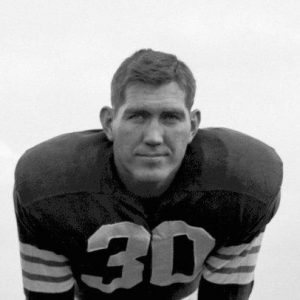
(233,264)
(229,272)
(46,273)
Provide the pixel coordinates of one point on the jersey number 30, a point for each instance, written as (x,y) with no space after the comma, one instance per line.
(165,243)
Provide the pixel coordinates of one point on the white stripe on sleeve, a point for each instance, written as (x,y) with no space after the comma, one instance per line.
(234,264)
(30,250)
(45,271)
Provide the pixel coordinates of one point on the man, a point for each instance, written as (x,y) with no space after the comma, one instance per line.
(150,207)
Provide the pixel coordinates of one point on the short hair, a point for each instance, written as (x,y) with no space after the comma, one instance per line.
(154,68)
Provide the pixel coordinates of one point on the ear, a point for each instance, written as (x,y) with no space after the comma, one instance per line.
(106,118)
(195,116)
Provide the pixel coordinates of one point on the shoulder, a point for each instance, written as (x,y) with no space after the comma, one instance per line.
(67,163)
(224,159)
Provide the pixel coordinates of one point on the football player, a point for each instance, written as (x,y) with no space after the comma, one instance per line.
(149,207)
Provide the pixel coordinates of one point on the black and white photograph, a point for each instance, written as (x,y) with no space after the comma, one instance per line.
(149,150)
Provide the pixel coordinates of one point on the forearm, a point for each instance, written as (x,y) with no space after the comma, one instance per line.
(69,295)
(208,291)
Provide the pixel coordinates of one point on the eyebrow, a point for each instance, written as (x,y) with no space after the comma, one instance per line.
(135,110)
(177,112)
(132,110)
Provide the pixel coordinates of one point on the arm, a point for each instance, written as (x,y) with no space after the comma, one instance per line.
(46,273)
(229,272)
(209,290)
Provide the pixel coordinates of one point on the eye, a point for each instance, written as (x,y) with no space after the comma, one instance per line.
(171,117)
(136,117)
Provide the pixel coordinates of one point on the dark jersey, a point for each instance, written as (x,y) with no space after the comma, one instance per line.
(79,226)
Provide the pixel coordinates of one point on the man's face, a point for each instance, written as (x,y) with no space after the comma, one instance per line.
(150,133)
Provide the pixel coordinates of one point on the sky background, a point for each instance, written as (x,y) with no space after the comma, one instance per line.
(57,59)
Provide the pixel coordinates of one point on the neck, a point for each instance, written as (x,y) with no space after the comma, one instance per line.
(146,189)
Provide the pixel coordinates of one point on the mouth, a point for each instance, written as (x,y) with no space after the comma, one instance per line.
(151,155)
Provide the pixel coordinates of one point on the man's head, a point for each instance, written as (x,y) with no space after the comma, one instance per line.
(150,123)
(153,68)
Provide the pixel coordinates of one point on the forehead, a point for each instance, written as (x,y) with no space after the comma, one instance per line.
(144,95)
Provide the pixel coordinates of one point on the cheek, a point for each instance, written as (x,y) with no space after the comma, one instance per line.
(121,133)
(179,139)
(125,139)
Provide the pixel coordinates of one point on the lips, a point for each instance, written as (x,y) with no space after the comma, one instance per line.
(151,154)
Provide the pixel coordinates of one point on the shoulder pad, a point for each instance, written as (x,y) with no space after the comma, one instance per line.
(224,159)
(69,163)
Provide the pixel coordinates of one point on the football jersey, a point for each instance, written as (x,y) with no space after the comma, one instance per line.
(79,226)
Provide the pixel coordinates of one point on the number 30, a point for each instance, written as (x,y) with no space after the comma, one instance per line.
(138,243)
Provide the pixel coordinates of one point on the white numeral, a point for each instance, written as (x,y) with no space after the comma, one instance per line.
(137,246)
(163,252)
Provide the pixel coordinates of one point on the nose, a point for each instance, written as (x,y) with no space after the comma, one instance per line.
(153,133)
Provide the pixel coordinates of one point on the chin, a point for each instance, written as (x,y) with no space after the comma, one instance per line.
(152,177)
